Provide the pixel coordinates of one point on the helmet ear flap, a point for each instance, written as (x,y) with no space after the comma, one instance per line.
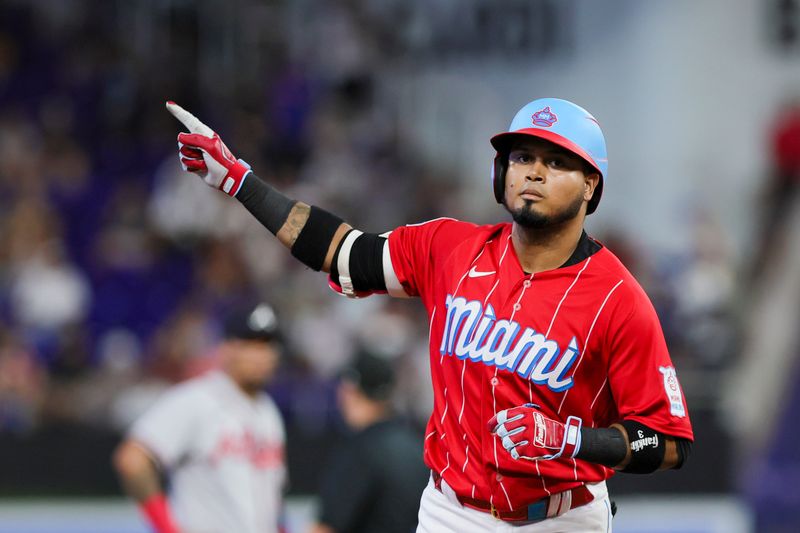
(499,176)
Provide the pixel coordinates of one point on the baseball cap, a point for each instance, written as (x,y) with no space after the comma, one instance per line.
(255,322)
(372,374)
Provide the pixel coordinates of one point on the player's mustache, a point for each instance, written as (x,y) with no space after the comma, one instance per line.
(532,190)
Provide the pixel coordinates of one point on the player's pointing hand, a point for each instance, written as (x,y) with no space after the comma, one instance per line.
(202,151)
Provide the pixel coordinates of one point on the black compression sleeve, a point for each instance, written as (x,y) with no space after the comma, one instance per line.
(605,446)
(267,204)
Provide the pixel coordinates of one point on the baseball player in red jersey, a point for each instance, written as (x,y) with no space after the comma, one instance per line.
(549,366)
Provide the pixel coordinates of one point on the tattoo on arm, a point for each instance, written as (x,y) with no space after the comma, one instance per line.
(294,224)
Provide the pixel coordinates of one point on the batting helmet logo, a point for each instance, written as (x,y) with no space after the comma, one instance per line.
(544,118)
(560,122)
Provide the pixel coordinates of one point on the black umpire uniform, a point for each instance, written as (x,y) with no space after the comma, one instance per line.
(374,480)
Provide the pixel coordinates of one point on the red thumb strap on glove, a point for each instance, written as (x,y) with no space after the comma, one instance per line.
(156,508)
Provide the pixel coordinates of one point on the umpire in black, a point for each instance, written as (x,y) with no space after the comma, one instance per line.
(374,480)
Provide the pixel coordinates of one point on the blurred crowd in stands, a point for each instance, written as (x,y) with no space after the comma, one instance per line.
(116,267)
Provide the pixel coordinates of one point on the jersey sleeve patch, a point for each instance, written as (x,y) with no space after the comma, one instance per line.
(673,390)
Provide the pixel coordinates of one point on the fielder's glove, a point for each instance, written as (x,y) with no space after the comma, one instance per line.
(526,433)
(202,151)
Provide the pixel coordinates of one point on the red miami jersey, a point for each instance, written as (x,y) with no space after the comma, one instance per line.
(581,340)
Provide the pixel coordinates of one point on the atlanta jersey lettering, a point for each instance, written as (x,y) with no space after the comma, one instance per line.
(224,451)
(581,340)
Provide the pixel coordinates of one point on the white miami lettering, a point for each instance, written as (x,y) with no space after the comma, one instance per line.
(474,333)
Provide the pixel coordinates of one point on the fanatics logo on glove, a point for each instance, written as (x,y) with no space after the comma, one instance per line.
(526,433)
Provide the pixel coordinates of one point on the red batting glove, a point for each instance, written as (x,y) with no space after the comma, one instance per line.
(526,433)
(202,151)
(156,509)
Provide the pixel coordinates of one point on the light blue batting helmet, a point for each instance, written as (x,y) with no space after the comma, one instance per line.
(561,122)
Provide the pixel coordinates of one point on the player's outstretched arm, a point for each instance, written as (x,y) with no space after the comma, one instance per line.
(312,234)
(527,433)
(140,478)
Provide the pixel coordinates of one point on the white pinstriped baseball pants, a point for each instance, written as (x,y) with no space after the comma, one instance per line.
(440,513)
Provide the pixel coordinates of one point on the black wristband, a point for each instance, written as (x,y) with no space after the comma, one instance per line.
(605,446)
(315,238)
(648,447)
(267,204)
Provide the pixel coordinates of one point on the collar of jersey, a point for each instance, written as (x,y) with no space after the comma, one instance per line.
(586,247)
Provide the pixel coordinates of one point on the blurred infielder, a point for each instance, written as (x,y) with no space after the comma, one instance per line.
(549,366)
(218,437)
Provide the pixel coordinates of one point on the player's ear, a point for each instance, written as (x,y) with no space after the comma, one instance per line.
(591,180)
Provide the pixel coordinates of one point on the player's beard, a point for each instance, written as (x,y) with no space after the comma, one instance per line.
(529,217)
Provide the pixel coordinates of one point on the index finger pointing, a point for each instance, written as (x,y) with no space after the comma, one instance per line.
(191,122)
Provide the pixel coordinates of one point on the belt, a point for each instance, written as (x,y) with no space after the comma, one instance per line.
(549,507)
